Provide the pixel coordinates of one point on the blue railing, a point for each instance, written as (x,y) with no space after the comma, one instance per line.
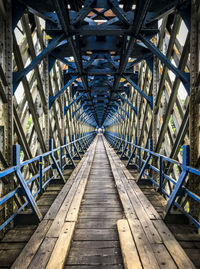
(43,169)
(158,169)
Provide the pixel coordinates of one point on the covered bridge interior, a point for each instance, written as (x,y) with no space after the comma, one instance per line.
(99,134)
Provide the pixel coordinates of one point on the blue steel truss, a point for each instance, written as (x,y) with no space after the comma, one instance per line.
(99,55)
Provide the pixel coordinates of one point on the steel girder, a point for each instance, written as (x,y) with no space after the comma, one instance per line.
(99,50)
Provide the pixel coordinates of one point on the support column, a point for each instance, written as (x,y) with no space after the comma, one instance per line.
(46,92)
(155,91)
(9,186)
(194,184)
(155,114)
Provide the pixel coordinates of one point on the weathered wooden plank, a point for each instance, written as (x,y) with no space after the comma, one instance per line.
(97,223)
(100,215)
(51,214)
(19,235)
(129,252)
(95,234)
(73,212)
(86,209)
(95,244)
(32,246)
(163,257)
(174,248)
(7,257)
(62,246)
(110,266)
(43,254)
(76,259)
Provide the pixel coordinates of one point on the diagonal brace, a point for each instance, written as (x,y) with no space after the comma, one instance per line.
(23,184)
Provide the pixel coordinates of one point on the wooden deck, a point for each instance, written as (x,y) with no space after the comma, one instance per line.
(101,219)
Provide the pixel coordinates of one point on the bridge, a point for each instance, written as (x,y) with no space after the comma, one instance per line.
(99,134)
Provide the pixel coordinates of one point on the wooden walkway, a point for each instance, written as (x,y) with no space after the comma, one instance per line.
(101,219)
(95,241)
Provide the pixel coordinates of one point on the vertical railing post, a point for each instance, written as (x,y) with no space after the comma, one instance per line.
(51,144)
(132,153)
(186,155)
(161,174)
(140,160)
(55,164)
(71,146)
(40,172)
(145,166)
(61,159)
(178,187)
(65,140)
(150,142)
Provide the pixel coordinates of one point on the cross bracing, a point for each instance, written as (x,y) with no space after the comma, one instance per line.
(130,68)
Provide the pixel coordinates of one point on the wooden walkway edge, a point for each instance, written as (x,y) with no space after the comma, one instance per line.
(59,222)
(156,246)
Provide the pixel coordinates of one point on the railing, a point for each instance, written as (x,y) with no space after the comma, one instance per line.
(160,171)
(40,170)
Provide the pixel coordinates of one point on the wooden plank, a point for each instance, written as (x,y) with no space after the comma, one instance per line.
(129,252)
(88,209)
(95,234)
(129,211)
(53,210)
(110,266)
(62,213)
(32,246)
(100,195)
(62,246)
(180,257)
(150,210)
(11,245)
(100,215)
(73,212)
(148,226)
(59,220)
(107,203)
(97,223)
(95,244)
(72,215)
(163,257)
(143,245)
(7,256)
(148,207)
(145,250)
(19,235)
(44,252)
(151,233)
(95,259)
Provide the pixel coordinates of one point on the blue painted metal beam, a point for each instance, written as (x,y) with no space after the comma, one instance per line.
(74,113)
(122,109)
(184,77)
(125,100)
(115,110)
(18,76)
(53,98)
(148,98)
(74,101)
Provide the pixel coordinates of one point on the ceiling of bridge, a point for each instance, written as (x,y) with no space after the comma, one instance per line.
(101,42)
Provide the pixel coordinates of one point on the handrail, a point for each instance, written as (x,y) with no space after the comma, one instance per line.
(68,151)
(132,150)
